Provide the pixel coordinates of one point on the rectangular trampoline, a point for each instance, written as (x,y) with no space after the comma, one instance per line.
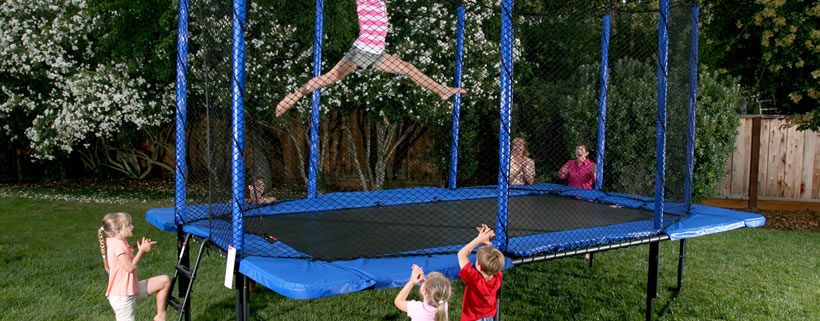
(304,251)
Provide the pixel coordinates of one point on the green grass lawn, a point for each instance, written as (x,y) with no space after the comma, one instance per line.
(50,269)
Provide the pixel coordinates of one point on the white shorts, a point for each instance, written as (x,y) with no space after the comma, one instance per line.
(125,305)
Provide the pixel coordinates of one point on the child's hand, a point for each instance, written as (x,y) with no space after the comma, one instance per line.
(417,275)
(485,233)
(146,245)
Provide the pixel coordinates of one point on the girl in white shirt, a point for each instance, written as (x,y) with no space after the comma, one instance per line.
(435,292)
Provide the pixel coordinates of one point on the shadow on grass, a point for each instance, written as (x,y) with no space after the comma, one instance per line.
(666,307)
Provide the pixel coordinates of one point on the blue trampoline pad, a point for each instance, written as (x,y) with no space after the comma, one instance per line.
(301,277)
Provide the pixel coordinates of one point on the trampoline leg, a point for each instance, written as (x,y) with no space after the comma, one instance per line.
(681,261)
(183,282)
(241,296)
(498,305)
(652,282)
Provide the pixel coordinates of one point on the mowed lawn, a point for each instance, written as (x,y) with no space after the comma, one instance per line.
(50,269)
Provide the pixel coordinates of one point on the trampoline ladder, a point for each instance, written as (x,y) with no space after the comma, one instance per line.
(181,305)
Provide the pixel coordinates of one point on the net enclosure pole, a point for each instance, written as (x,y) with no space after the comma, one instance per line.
(238,124)
(181,169)
(600,146)
(313,167)
(660,121)
(691,108)
(504,123)
(452,180)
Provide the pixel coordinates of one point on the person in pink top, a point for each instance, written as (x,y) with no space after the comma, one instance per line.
(579,172)
(435,291)
(124,287)
(368,52)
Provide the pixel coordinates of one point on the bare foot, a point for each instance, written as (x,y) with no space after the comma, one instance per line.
(288,102)
(450,91)
(159,317)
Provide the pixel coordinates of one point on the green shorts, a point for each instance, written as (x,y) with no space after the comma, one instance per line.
(364,59)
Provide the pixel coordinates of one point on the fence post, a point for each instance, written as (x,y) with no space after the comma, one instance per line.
(754,163)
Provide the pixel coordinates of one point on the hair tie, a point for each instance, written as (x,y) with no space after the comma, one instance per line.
(440,302)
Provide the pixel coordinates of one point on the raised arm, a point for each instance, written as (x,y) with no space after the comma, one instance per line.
(562,173)
(130,264)
(417,275)
(484,236)
(529,171)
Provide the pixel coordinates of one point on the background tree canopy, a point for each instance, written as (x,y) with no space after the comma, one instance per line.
(90,82)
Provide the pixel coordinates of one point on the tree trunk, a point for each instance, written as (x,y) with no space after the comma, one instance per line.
(19,153)
(352,148)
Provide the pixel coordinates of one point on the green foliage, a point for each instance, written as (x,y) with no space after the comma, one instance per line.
(771,45)
(717,124)
(809,120)
(630,130)
(629,161)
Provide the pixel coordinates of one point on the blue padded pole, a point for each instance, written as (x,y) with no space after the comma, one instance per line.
(452,182)
(504,123)
(313,164)
(600,147)
(691,110)
(660,122)
(181,169)
(238,126)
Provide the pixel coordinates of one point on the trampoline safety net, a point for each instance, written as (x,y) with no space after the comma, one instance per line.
(366,129)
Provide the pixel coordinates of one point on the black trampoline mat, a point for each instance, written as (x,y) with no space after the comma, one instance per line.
(391,230)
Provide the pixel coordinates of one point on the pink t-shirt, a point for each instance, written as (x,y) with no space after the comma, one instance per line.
(120,281)
(579,175)
(373,25)
(420,311)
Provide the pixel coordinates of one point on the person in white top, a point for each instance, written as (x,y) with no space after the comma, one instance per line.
(435,291)
(522,167)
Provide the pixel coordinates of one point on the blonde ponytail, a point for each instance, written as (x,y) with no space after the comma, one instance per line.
(438,290)
(441,311)
(103,249)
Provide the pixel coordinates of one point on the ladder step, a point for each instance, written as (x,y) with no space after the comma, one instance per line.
(184,271)
(175,303)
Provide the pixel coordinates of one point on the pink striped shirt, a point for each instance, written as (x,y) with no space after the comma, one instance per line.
(373,25)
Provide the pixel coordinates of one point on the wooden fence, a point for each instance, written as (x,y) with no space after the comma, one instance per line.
(787,162)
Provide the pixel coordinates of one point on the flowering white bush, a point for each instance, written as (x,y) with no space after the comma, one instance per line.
(55,94)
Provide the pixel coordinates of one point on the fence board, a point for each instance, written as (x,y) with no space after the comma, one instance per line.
(763,173)
(794,162)
(777,143)
(740,158)
(807,174)
(816,185)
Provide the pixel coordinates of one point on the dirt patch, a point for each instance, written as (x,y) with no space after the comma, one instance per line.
(791,221)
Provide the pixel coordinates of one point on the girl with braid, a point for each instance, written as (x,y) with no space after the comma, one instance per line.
(124,288)
(435,292)
(368,53)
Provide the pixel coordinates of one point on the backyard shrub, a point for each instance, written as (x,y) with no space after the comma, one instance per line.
(629,163)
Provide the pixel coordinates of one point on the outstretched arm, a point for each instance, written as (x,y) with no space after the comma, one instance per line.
(417,275)
(484,236)
(562,173)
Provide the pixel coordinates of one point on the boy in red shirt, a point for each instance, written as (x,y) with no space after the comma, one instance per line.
(481,283)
